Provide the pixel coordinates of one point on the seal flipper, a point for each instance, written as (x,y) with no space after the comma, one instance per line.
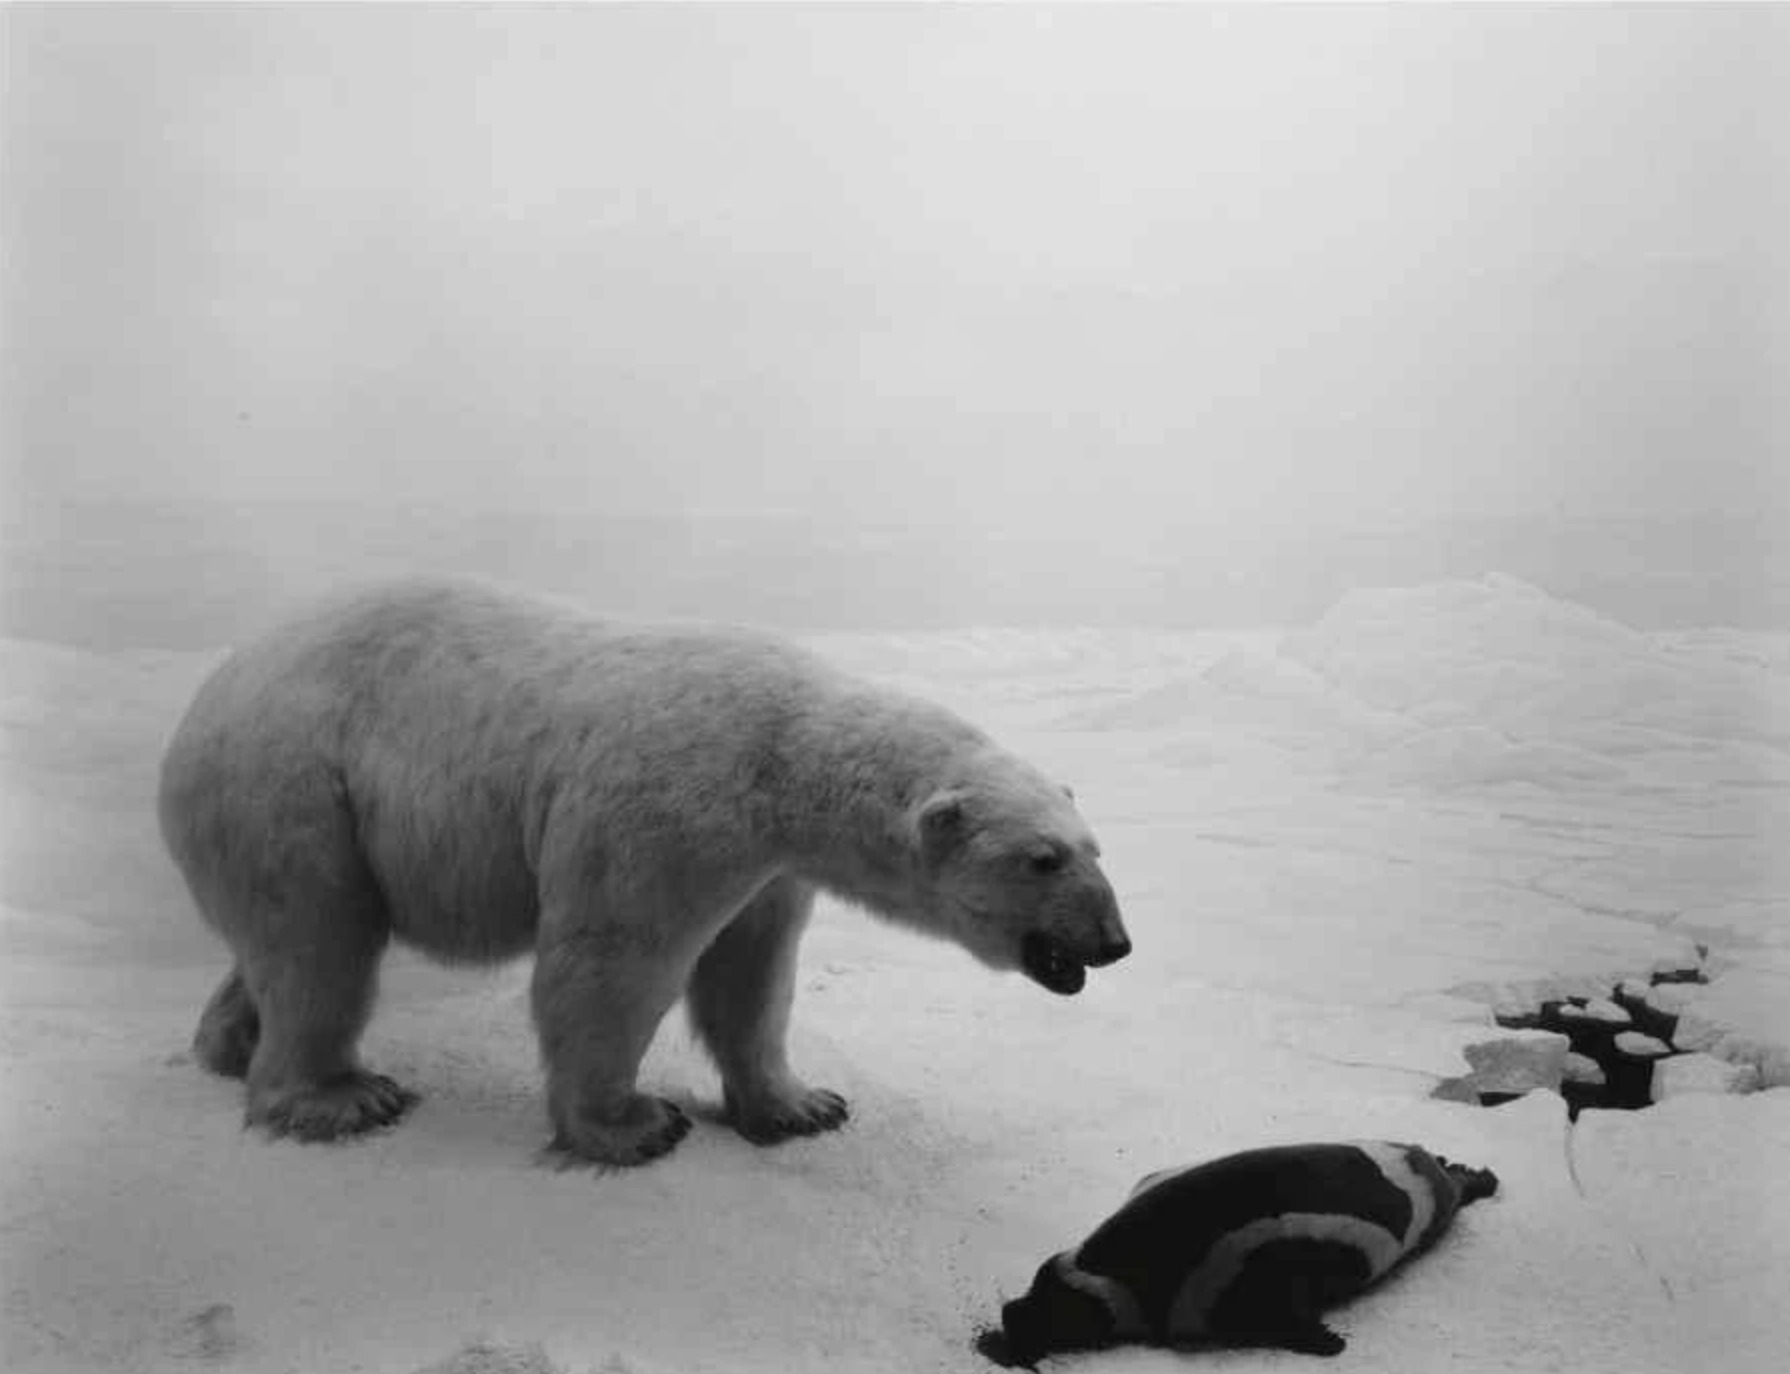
(1297,1325)
(1303,1334)
(1473,1183)
(1276,1302)
(1307,1335)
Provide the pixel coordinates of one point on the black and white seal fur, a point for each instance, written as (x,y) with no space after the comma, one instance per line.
(1246,1250)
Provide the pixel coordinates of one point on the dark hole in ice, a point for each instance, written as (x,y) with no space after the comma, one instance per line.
(1682,975)
(1627,1069)
(1498,1099)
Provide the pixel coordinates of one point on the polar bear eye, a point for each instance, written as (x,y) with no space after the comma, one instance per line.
(1046,860)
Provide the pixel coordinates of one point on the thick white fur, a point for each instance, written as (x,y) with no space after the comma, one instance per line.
(649,810)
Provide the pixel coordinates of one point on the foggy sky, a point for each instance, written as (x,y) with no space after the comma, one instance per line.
(1017,265)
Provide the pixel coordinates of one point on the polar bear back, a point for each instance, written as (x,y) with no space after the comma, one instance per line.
(459,721)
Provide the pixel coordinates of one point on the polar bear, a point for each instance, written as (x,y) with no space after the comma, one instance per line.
(650,810)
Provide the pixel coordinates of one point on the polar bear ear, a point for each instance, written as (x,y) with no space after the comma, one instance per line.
(941,823)
(1068,791)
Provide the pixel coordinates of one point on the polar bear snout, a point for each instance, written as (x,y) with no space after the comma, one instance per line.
(1058,952)
(1112,949)
(1109,942)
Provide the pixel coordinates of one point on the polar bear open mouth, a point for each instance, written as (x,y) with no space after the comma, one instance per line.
(1050,965)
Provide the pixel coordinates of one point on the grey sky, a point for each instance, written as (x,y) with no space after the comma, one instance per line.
(1114,265)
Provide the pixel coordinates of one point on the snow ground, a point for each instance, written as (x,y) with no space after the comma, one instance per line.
(1335,848)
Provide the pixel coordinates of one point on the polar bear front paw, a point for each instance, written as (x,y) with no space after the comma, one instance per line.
(352,1103)
(768,1116)
(642,1129)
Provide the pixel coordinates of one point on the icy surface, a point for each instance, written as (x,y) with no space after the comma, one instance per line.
(1338,849)
(1702,1073)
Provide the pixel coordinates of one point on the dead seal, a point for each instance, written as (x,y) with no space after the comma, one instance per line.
(1247,1250)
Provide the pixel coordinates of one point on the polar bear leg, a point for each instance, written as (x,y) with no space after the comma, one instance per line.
(739,996)
(229,1029)
(263,830)
(309,980)
(598,997)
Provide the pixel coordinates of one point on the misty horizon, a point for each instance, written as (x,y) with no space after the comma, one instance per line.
(199,575)
(1076,301)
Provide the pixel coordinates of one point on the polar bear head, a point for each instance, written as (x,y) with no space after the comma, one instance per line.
(1011,872)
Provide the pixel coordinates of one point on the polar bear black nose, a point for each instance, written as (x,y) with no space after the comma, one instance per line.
(1111,951)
